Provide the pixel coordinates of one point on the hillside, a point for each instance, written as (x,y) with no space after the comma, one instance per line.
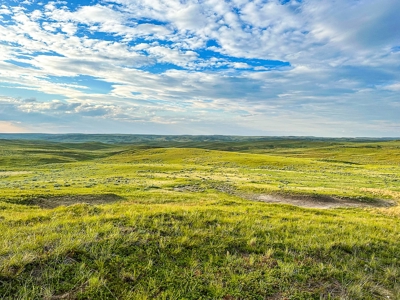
(153,220)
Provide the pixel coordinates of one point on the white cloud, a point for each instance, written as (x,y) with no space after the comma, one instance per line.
(96,14)
(69,28)
(343,62)
(393,87)
(174,56)
(4,10)
(241,65)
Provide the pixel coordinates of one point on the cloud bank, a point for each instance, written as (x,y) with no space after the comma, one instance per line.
(311,67)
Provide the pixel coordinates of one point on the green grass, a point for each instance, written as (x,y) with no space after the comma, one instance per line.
(180,229)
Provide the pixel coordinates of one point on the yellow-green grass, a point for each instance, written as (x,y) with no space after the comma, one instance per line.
(131,172)
(211,250)
(182,231)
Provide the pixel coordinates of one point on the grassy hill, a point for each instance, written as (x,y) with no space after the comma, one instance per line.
(175,219)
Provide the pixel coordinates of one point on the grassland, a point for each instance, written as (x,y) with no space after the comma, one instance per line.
(172,219)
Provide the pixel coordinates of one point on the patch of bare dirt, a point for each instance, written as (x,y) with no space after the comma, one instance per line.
(322,202)
(67,200)
(13,173)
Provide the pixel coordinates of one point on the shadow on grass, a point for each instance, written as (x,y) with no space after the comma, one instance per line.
(66,200)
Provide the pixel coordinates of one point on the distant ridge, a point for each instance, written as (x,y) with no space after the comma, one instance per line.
(141,138)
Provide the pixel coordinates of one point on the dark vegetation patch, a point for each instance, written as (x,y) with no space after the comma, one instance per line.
(53,202)
(339,161)
(189,188)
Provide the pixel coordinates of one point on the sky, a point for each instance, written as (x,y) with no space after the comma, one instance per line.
(238,67)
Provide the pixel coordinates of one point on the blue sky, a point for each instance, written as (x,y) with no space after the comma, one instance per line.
(261,67)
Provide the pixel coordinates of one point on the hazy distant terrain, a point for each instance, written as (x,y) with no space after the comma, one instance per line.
(137,138)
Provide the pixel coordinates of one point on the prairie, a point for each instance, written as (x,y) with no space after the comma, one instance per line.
(183,218)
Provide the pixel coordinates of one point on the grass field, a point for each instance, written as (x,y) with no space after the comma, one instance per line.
(172,219)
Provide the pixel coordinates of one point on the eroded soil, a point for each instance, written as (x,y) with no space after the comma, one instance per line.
(322,202)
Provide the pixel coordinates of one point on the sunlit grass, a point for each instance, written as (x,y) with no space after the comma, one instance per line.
(181,229)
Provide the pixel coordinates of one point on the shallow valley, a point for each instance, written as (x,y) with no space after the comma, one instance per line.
(189,219)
